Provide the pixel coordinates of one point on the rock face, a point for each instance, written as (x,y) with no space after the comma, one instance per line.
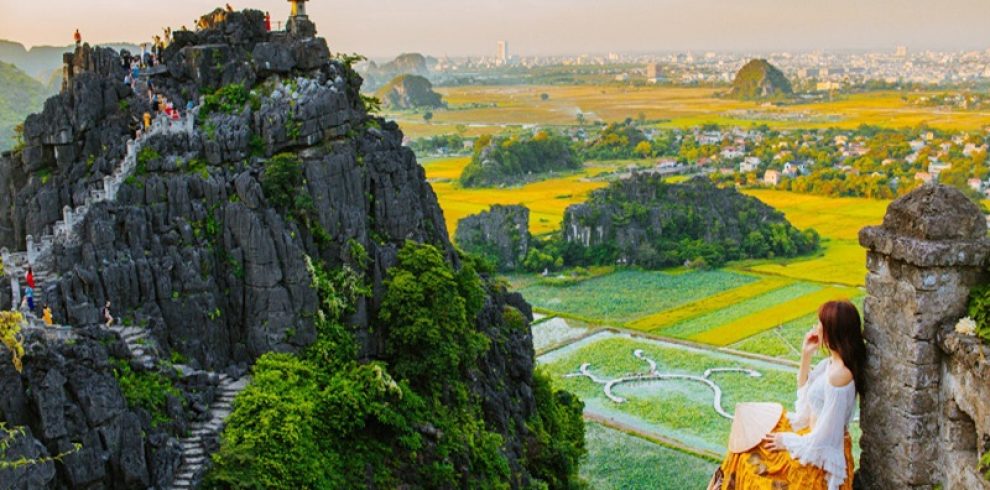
(67,394)
(196,251)
(758,79)
(410,92)
(926,410)
(501,234)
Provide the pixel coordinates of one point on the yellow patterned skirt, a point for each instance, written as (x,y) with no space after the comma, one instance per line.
(760,469)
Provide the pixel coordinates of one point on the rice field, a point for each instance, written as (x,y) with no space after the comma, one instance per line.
(627,295)
(698,308)
(770,317)
(678,410)
(783,341)
(619,461)
(547,199)
(838,220)
(513,106)
(730,313)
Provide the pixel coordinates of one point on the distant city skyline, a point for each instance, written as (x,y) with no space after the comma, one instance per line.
(382,28)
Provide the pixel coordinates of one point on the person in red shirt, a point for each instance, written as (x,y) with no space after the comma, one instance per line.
(29,277)
(77,37)
(268,22)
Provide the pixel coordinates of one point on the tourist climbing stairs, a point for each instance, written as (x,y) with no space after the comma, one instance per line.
(141,345)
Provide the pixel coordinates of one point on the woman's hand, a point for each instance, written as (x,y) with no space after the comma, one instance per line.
(774,441)
(812,342)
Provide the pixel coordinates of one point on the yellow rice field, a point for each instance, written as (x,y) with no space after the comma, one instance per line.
(709,304)
(771,317)
(521,105)
(838,220)
(546,199)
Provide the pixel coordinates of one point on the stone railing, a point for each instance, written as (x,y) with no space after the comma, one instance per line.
(924,423)
(66,231)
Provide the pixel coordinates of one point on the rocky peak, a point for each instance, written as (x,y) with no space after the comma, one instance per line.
(199,233)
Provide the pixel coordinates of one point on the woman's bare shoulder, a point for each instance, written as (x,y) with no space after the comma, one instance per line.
(839,375)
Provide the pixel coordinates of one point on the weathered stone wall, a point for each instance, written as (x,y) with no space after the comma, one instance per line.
(925,413)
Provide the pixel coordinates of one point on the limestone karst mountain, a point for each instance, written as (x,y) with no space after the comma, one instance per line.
(409,92)
(758,79)
(208,234)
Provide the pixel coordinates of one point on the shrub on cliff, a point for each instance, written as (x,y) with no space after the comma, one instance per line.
(328,420)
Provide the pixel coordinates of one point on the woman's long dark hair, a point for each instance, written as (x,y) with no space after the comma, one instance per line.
(842,332)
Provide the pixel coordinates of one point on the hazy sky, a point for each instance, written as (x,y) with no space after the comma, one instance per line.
(459,27)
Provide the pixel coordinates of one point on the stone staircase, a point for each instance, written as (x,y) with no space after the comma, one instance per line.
(194,451)
(66,231)
(143,348)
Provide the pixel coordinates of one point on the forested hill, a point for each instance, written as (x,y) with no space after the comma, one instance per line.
(648,222)
(518,159)
(20,95)
(277,234)
(758,79)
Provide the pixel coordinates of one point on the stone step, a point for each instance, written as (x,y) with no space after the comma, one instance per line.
(195,451)
(187,459)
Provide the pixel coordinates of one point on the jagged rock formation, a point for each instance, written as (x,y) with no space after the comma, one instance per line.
(645,221)
(926,409)
(409,92)
(500,234)
(201,260)
(758,79)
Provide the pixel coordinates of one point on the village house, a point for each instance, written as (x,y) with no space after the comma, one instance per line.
(935,168)
(771,178)
(749,164)
(732,153)
(923,176)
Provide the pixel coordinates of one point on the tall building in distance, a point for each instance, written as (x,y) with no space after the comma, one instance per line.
(652,73)
(503,52)
(901,52)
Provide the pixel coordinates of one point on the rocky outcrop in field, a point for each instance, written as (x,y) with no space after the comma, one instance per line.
(500,234)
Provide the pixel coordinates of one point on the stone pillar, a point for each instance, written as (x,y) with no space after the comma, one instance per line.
(922,263)
(31,251)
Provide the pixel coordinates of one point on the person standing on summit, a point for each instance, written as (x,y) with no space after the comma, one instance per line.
(77,37)
(268,22)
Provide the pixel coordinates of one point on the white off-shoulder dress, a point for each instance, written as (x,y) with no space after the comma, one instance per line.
(827,410)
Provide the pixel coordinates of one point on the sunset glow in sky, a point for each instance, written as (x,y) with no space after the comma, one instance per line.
(472,27)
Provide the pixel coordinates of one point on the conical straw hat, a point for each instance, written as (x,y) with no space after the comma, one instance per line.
(751,422)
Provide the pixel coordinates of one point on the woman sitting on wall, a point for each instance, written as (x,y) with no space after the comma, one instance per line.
(810,449)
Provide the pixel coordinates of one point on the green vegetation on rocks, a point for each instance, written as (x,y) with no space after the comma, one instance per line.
(517,159)
(326,419)
(409,92)
(758,79)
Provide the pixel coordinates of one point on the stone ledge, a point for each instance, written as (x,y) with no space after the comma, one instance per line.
(925,253)
(965,350)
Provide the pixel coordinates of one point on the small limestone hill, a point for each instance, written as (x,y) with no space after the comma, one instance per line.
(758,79)
(410,92)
